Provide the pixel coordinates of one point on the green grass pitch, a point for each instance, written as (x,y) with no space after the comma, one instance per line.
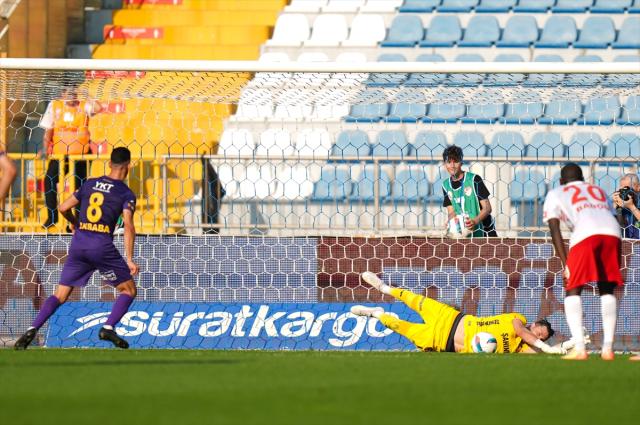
(47,386)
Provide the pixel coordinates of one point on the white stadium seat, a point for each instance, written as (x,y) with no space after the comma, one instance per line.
(343,6)
(305,6)
(291,30)
(378,6)
(366,30)
(328,30)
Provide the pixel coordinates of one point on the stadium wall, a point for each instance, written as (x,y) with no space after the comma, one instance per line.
(295,293)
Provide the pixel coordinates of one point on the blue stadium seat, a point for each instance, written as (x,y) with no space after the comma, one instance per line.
(611,6)
(558,32)
(457,6)
(410,185)
(443,31)
(444,111)
(534,6)
(572,6)
(466,80)
(527,112)
(597,32)
(629,35)
(364,188)
(419,6)
(482,31)
(496,6)
(635,8)
(545,80)
(429,145)
(584,145)
(623,146)
(601,111)
(607,178)
(406,112)
(351,143)
(472,144)
(334,184)
(584,80)
(426,80)
(366,113)
(493,80)
(485,113)
(561,112)
(387,79)
(509,144)
(630,112)
(405,31)
(545,144)
(391,143)
(623,80)
(520,31)
(526,191)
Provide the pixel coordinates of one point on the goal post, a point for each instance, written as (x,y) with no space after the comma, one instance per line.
(266,188)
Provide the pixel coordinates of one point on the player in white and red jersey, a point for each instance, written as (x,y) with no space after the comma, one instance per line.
(594,252)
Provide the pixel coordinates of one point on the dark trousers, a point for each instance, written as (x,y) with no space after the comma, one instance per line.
(212,195)
(51,185)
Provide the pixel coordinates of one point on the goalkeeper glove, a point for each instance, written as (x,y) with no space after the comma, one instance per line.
(543,346)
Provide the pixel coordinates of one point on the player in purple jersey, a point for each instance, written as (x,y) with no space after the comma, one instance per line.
(102,201)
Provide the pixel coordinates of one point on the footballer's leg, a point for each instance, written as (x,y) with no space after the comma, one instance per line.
(407,329)
(128,292)
(412,300)
(573,312)
(49,307)
(608,306)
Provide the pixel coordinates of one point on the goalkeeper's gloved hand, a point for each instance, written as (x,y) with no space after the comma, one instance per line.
(543,346)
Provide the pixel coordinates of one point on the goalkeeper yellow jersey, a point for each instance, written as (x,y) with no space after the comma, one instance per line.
(500,326)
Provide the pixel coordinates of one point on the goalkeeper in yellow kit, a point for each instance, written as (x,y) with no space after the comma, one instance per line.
(447,329)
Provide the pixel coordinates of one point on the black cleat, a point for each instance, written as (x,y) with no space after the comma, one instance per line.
(111,335)
(27,338)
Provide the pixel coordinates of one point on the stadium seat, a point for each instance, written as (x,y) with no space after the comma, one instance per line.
(366,113)
(410,185)
(293,104)
(334,184)
(496,6)
(426,80)
(351,143)
(259,181)
(611,6)
(629,35)
(275,143)
(520,31)
(597,32)
(507,144)
(623,80)
(561,112)
(343,6)
(526,191)
(255,105)
(305,6)
(419,6)
(558,32)
(405,31)
(387,79)
(235,143)
(428,145)
(443,31)
(366,30)
(295,182)
(274,57)
(492,80)
(534,6)
(630,112)
(545,80)
(584,145)
(328,30)
(607,178)
(482,31)
(457,6)
(436,195)
(444,110)
(623,146)
(391,144)
(406,112)
(483,113)
(466,80)
(364,188)
(472,144)
(584,80)
(545,144)
(601,111)
(572,6)
(526,112)
(313,142)
(635,8)
(381,6)
(291,29)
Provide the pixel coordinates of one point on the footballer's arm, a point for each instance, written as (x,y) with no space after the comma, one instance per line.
(129,239)
(558,243)
(532,340)
(66,209)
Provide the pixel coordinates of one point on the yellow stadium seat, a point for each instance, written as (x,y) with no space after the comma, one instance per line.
(201,35)
(244,5)
(178,52)
(168,17)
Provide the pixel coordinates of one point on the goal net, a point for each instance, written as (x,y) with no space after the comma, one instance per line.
(265,189)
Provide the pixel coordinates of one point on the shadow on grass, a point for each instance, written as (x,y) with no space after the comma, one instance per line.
(118,362)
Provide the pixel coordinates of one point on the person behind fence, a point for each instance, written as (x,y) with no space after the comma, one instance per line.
(213,192)
(66,125)
(466,195)
(7,176)
(627,202)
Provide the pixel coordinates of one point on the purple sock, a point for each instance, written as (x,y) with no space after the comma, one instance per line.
(120,307)
(49,307)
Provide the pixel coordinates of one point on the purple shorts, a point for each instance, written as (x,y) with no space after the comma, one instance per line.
(81,263)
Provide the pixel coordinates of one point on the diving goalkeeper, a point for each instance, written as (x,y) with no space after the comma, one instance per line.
(447,329)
